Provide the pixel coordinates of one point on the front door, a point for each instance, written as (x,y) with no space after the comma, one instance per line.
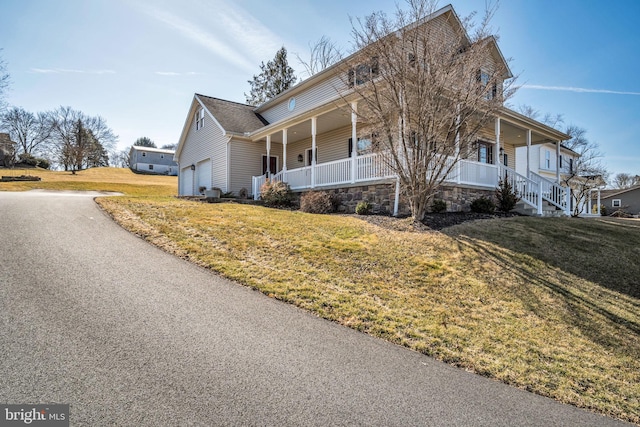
(273,164)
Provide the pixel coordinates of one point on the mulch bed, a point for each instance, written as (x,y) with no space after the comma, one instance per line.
(431,222)
(438,221)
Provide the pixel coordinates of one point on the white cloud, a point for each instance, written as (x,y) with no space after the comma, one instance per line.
(231,32)
(578,89)
(175,73)
(69,71)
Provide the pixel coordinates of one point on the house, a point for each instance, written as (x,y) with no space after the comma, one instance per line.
(304,137)
(546,161)
(627,200)
(152,160)
(7,150)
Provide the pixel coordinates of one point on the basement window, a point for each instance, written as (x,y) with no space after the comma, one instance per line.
(616,203)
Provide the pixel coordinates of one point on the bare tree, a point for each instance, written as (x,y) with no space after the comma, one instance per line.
(4,83)
(552,120)
(120,158)
(80,140)
(424,93)
(587,172)
(173,146)
(322,54)
(30,131)
(625,180)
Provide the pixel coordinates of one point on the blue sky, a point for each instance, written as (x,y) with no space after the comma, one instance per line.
(138,63)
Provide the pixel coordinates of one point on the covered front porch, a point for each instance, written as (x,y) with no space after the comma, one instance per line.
(334,130)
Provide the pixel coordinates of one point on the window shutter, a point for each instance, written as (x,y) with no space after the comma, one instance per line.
(350,146)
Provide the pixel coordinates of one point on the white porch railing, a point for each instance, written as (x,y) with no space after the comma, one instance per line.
(552,192)
(527,189)
(370,167)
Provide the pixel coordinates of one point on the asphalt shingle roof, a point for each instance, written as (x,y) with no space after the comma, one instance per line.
(233,116)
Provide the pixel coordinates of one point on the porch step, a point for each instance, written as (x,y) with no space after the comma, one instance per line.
(548,210)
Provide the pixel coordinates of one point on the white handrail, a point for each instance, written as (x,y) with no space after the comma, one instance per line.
(551,192)
(527,189)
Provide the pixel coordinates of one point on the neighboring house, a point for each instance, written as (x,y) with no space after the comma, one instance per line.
(7,150)
(152,160)
(304,137)
(627,200)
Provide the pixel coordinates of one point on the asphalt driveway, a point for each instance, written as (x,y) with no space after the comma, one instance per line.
(129,335)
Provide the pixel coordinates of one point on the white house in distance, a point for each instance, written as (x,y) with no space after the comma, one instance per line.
(304,137)
(152,160)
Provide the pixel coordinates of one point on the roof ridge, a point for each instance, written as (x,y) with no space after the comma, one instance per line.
(225,100)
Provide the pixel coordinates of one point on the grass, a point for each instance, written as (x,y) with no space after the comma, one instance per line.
(94,179)
(547,305)
(485,296)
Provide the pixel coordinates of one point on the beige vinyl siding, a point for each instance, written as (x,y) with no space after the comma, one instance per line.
(510,151)
(204,144)
(246,162)
(306,100)
(331,146)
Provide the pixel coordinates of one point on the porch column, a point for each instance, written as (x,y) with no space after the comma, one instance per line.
(497,151)
(589,203)
(284,155)
(528,136)
(558,161)
(268,156)
(313,151)
(354,141)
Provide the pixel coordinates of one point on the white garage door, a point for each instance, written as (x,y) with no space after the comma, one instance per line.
(186,182)
(203,169)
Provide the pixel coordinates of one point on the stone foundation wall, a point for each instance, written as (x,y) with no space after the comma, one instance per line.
(459,199)
(382,196)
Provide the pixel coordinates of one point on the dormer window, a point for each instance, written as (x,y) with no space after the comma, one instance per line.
(200,119)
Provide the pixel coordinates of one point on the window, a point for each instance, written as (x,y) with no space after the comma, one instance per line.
(616,203)
(362,73)
(200,119)
(570,165)
(150,167)
(560,160)
(485,152)
(364,146)
(162,156)
(505,159)
(144,154)
(547,159)
(485,79)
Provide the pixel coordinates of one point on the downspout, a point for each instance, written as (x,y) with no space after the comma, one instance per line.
(396,202)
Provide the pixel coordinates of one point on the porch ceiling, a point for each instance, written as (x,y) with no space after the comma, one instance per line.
(517,136)
(331,120)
